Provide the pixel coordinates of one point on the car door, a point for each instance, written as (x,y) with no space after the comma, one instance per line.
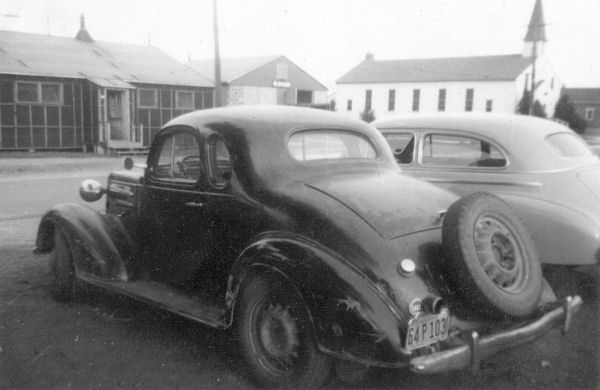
(232,219)
(174,208)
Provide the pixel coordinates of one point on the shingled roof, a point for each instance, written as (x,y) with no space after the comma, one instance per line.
(583,95)
(105,63)
(481,68)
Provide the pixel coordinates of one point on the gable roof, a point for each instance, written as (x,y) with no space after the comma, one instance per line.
(231,68)
(481,68)
(112,63)
(255,71)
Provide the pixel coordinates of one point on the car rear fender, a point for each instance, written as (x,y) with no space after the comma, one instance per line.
(558,230)
(352,319)
(100,245)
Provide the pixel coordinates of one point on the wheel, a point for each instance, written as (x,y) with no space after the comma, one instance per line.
(492,261)
(277,337)
(62,287)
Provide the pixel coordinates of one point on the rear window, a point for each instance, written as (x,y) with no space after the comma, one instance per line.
(567,145)
(330,145)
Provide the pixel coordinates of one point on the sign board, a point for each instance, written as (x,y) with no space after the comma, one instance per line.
(281,84)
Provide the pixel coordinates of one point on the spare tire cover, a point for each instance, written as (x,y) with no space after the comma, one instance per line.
(491,259)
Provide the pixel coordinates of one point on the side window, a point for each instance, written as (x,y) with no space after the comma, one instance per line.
(179,159)
(402,145)
(460,151)
(219,163)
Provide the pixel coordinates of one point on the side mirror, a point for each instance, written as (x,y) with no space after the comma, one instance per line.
(90,190)
(128,163)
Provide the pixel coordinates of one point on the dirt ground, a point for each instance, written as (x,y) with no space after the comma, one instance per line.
(108,342)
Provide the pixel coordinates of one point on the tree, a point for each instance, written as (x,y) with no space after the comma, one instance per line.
(538,109)
(332,105)
(367,115)
(524,103)
(565,110)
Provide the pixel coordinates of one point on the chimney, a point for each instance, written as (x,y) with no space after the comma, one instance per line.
(83,34)
(370,57)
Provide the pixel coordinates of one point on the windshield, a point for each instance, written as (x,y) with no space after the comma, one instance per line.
(330,145)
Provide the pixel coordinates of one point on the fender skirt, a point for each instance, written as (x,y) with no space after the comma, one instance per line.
(100,244)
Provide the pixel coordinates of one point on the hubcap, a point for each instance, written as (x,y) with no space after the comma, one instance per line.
(499,253)
(278,336)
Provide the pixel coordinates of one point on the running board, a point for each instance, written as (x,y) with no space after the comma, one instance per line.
(167,298)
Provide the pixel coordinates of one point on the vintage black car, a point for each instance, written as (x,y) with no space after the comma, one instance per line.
(296,227)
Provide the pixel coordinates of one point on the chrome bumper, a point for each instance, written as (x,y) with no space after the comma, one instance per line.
(471,354)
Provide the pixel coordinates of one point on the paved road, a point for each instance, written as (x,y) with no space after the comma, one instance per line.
(31,195)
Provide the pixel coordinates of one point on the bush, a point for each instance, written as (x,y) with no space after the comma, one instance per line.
(367,115)
(565,110)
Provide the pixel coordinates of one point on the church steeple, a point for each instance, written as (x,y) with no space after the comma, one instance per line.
(536,32)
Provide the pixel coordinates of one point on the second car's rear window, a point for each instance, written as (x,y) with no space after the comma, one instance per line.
(310,145)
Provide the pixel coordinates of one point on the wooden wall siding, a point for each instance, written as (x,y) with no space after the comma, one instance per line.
(153,119)
(38,125)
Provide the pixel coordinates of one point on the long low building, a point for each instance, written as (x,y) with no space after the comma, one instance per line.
(77,93)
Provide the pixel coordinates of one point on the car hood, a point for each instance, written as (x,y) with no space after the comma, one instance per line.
(393,204)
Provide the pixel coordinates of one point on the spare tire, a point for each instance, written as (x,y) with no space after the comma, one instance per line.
(492,260)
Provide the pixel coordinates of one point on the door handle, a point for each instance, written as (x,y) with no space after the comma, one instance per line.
(194,204)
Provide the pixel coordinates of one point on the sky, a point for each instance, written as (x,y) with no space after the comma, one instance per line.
(327,38)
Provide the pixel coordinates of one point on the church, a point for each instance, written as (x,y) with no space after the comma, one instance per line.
(493,83)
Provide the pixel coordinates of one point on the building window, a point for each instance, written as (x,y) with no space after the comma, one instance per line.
(392,100)
(47,93)
(184,100)
(148,97)
(442,100)
(368,98)
(489,104)
(589,113)
(469,99)
(416,99)
(349,105)
(304,97)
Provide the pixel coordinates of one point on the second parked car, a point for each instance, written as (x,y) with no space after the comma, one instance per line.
(545,171)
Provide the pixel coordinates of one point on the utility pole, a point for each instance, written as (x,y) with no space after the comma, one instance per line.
(533,62)
(217,97)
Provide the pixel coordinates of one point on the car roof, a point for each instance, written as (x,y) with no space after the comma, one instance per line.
(256,118)
(258,136)
(517,134)
(506,129)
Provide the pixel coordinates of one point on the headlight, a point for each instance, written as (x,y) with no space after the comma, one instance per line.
(406,267)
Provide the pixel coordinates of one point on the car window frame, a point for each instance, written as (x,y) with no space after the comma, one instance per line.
(210,164)
(467,134)
(374,145)
(175,181)
(416,143)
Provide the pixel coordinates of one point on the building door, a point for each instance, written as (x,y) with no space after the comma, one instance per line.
(115,115)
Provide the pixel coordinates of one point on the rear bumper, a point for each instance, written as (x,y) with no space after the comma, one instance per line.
(469,355)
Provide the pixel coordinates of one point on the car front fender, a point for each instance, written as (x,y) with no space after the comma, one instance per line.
(100,245)
(352,318)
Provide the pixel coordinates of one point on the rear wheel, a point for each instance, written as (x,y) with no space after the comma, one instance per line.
(62,287)
(277,336)
(493,262)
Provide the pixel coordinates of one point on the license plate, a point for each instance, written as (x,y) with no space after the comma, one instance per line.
(427,329)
